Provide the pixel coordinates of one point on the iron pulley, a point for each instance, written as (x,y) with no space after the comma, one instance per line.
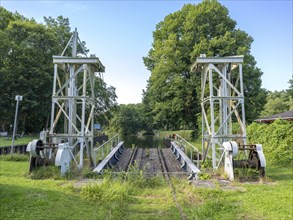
(255,160)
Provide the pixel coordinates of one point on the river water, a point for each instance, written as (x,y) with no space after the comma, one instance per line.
(143,141)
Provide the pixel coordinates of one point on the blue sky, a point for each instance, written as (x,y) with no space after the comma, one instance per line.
(120,34)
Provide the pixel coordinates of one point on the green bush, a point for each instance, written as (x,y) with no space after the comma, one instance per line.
(276,139)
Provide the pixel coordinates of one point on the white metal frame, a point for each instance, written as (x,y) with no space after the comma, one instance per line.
(73,99)
(222,97)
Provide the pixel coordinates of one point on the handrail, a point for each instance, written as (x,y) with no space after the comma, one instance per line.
(97,148)
(110,159)
(187,163)
(177,135)
(104,146)
(193,148)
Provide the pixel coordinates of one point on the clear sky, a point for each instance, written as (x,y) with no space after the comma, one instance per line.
(120,34)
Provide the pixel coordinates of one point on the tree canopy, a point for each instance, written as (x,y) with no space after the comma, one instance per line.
(171,98)
(26,68)
(278,102)
(128,119)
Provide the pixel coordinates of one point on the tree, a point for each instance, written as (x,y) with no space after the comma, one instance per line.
(26,69)
(105,103)
(290,90)
(128,119)
(60,27)
(172,95)
(277,102)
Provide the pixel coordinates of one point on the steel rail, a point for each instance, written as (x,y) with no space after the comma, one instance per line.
(131,159)
(167,177)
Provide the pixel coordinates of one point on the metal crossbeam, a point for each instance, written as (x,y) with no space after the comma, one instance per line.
(73,99)
(222,99)
(79,60)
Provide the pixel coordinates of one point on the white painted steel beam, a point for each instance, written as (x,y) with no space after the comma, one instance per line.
(218,94)
(105,162)
(217,60)
(73,99)
(79,60)
(187,164)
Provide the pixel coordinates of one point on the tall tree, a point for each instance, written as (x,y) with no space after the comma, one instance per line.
(106,102)
(290,89)
(127,119)
(277,102)
(172,90)
(26,69)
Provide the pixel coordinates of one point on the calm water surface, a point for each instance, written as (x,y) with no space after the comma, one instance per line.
(142,141)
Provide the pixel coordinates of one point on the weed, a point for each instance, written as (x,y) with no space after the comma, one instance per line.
(245,174)
(130,196)
(138,178)
(204,176)
(276,139)
(73,189)
(206,164)
(14,157)
(110,194)
(46,172)
(147,152)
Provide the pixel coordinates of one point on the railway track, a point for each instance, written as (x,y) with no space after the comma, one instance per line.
(152,162)
(148,161)
(168,179)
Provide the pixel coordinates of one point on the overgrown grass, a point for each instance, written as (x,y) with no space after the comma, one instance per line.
(136,196)
(271,199)
(46,172)
(14,157)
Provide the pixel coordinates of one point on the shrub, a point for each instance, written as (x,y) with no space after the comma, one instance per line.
(276,139)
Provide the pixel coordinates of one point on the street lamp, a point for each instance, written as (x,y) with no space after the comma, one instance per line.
(17,98)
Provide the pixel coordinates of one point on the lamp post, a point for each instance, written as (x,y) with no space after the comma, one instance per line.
(17,98)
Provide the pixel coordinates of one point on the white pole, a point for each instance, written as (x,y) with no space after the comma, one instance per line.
(17,98)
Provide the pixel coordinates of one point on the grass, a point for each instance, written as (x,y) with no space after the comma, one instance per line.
(269,200)
(5,142)
(129,196)
(14,157)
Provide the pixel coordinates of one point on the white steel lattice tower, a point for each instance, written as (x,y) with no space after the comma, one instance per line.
(73,99)
(222,102)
